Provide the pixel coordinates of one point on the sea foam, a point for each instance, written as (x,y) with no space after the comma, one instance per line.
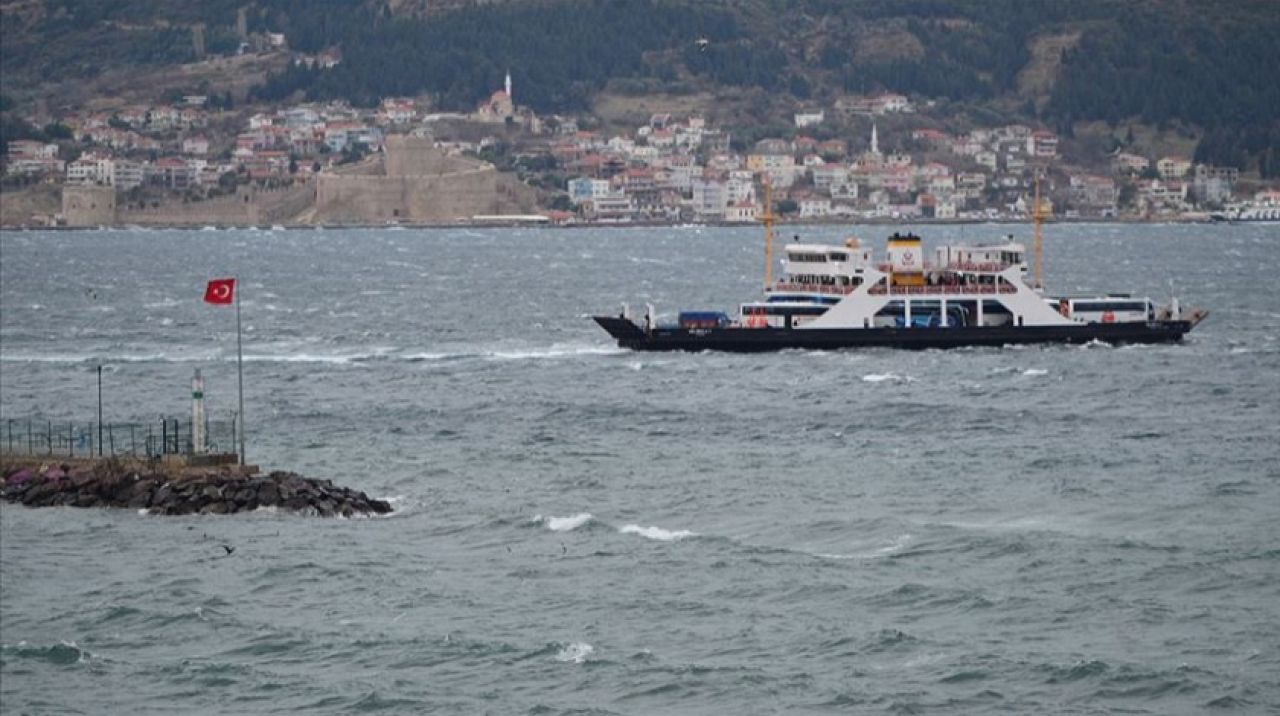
(656,533)
(568,524)
(577,652)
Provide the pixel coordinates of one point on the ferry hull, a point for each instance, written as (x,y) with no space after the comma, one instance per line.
(756,340)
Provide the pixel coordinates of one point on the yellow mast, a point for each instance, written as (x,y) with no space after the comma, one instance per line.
(1038,217)
(767,219)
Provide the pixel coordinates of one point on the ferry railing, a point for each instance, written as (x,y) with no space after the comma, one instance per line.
(814,288)
(927,290)
(38,437)
(992,267)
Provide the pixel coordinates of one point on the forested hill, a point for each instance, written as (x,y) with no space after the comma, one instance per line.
(1202,63)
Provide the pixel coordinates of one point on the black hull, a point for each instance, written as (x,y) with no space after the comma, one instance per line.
(756,340)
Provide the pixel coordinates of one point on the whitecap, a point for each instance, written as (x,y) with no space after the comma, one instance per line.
(555,352)
(1035,371)
(896,545)
(577,652)
(656,533)
(883,377)
(568,524)
(306,358)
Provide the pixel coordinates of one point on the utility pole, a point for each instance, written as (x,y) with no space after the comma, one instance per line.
(99,410)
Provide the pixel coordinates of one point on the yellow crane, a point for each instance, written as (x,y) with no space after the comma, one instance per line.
(767,219)
(1038,216)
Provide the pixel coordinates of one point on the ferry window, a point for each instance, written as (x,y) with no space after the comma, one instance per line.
(838,256)
(808,258)
(1101,306)
(893,309)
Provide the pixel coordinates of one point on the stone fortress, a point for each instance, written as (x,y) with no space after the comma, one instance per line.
(416,182)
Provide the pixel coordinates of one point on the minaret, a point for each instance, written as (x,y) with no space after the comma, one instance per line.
(875,143)
(507,85)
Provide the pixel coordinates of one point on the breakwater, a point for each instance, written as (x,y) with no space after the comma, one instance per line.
(161,491)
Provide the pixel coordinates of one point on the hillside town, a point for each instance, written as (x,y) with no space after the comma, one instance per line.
(666,170)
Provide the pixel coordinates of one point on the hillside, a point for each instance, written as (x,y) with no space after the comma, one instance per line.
(1194,66)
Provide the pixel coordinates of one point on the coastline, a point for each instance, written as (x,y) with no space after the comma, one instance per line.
(526,224)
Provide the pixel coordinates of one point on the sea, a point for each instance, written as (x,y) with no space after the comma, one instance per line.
(581,529)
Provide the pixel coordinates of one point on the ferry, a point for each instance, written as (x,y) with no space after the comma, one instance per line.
(845,296)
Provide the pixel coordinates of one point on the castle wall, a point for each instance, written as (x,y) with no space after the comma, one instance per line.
(88,205)
(248,207)
(374,199)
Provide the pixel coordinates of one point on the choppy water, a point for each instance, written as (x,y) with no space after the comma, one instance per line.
(587,530)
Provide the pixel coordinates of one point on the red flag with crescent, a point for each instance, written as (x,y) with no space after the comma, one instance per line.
(220,291)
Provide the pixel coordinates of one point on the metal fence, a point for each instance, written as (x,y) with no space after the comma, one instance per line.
(164,436)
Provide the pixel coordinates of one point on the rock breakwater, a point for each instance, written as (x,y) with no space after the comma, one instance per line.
(110,483)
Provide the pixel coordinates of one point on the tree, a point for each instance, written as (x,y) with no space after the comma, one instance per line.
(58,130)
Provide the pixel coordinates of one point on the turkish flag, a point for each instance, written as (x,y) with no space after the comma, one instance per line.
(220,291)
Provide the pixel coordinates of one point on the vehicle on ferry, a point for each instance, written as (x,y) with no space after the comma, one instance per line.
(966,295)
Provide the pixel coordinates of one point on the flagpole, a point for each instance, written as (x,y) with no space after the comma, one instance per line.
(240,370)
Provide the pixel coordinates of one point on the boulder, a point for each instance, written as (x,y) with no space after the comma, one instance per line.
(140,500)
(108,483)
(268,495)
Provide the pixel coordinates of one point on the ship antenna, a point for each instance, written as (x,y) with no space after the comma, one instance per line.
(767,219)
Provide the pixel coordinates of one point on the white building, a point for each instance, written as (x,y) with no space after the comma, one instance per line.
(585,189)
(815,208)
(741,212)
(709,200)
(809,119)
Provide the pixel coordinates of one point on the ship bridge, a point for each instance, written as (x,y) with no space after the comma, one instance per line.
(823,268)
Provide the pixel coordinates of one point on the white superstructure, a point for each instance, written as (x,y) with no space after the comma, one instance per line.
(961,285)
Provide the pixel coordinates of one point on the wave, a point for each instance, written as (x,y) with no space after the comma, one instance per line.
(554,352)
(9,357)
(378,353)
(576,652)
(898,544)
(1035,371)
(564,524)
(656,533)
(63,653)
(886,377)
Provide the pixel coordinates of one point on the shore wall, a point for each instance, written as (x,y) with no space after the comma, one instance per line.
(248,207)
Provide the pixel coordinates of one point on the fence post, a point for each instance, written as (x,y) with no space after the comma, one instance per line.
(133,443)
(71,439)
(111,438)
(10,424)
(164,436)
(48,436)
(31,448)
